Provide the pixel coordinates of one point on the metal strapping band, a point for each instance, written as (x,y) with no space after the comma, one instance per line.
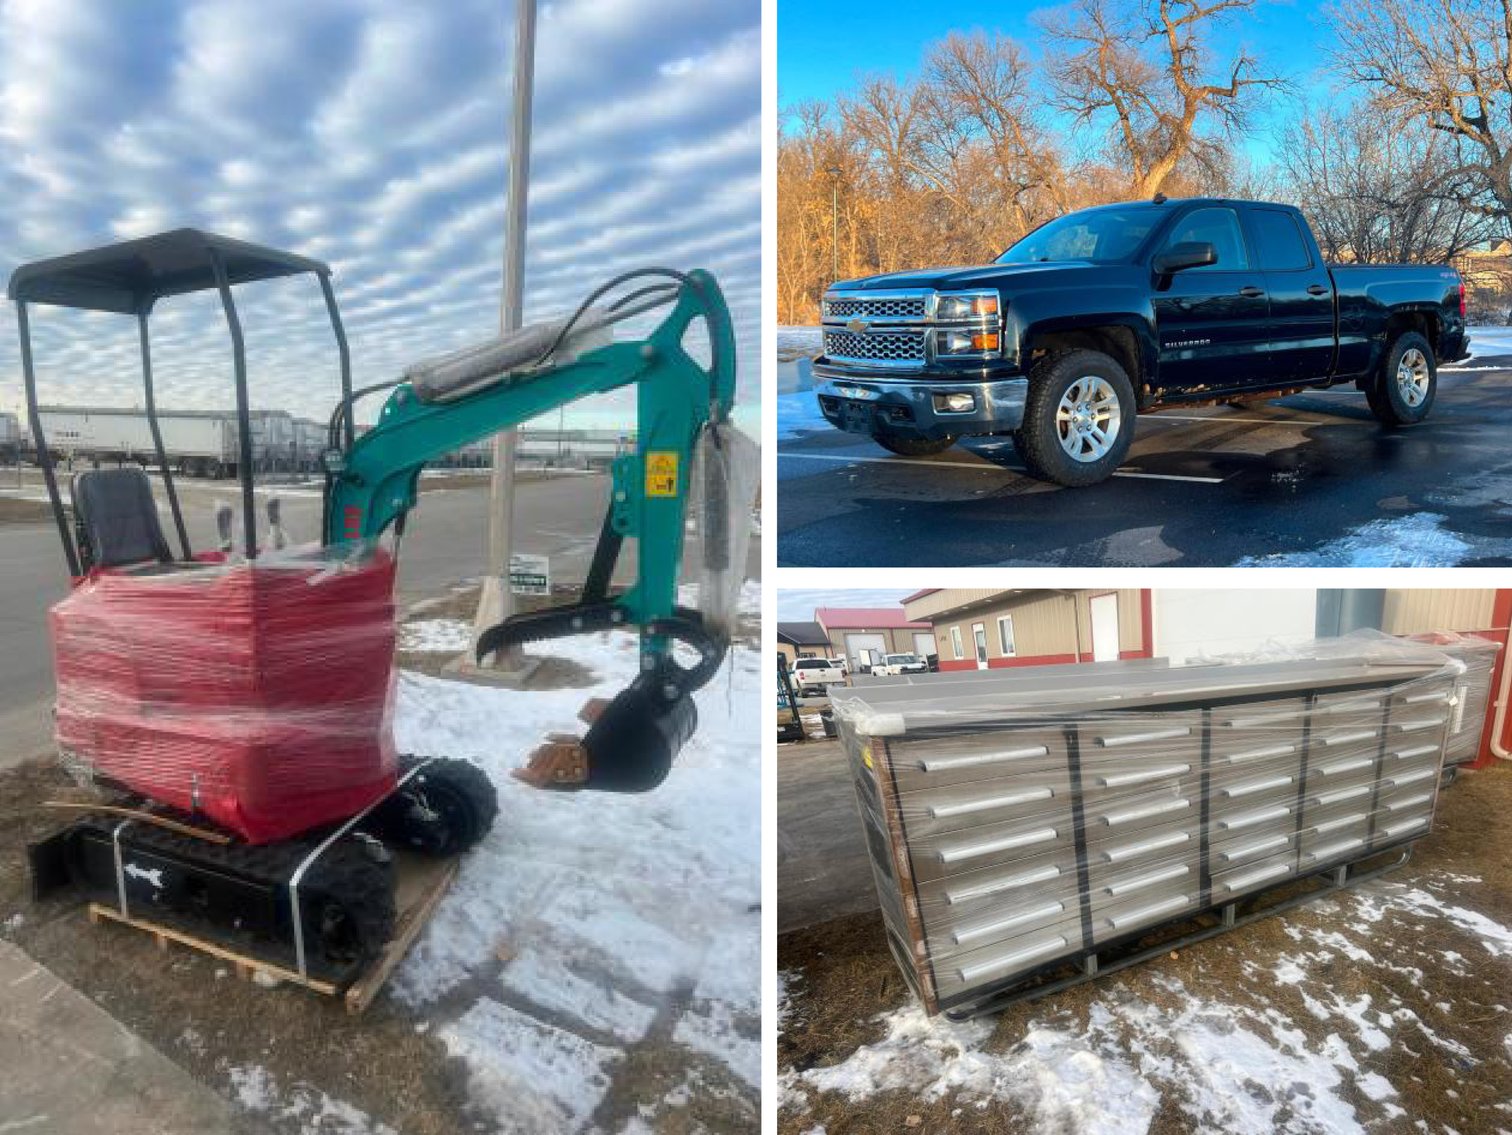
(115,839)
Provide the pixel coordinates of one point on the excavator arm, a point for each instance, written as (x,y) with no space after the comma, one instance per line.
(680,404)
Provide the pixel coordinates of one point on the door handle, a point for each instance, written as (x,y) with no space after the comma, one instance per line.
(1249,291)
(1316,290)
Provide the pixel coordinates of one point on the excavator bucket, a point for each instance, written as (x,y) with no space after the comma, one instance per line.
(630,744)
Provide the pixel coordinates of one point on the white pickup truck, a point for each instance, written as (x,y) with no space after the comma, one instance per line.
(815,675)
(896,665)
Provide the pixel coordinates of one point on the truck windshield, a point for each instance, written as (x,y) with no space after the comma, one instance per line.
(901,659)
(1097,236)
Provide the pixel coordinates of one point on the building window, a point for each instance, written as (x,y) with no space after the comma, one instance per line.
(955,642)
(1005,636)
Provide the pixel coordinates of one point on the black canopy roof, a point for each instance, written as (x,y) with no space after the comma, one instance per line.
(131,276)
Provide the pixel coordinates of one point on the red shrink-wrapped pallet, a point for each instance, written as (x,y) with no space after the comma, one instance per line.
(256,695)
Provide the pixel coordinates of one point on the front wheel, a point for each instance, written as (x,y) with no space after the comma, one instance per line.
(913,446)
(1078,418)
(1403,392)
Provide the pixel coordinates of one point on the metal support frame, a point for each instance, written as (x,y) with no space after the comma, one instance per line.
(243,414)
(157,436)
(44,455)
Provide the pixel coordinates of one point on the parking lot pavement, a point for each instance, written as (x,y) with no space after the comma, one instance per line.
(1309,480)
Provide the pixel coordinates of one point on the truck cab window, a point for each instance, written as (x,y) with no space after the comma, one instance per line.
(1281,246)
(1218,227)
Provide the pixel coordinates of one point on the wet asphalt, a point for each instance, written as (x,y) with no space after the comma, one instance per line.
(1309,480)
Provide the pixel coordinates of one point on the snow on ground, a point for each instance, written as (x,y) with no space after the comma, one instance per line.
(798,342)
(1237,1065)
(1489,341)
(314,1111)
(584,918)
(1416,539)
(798,414)
(435,636)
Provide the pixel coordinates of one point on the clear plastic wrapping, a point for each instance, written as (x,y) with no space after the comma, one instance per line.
(726,473)
(256,695)
(1025,819)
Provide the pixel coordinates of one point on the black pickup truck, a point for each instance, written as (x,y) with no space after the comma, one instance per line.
(1106,313)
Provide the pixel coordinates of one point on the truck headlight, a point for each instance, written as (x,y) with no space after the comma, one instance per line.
(967,305)
(982,343)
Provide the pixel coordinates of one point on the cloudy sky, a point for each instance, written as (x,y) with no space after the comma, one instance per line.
(797,605)
(372,134)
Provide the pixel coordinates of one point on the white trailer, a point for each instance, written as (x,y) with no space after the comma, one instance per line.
(201,443)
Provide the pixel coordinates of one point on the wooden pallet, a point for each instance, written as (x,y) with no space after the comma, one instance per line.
(422,883)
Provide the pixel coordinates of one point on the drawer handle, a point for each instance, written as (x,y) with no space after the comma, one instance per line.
(1410,778)
(1113,819)
(1342,794)
(968,934)
(1418,723)
(958,852)
(1261,754)
(1004,962)
(1134,850)
(1346,766)
(997,886)
(1418,751)
(1122,779)
(1334,849)
(1410,802)
(1174,872)
(1354,705)
(1144,913)
(1404,826)
(987,804)
(1420,699)
(945,764)
(1250,819)
(1335,825)
(1234,791)
(1250,850)
(1140,738)
(1256,876)
(1263,719)
(1351,738)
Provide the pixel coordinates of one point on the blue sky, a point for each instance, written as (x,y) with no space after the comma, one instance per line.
(372,134)
(824,48)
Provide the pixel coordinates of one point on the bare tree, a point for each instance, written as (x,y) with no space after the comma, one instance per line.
(1447,63)
(1149,73)
(1378,195)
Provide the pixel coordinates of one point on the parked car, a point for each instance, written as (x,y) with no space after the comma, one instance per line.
(1119,310)
(815,675)
(895,665)
(840,664)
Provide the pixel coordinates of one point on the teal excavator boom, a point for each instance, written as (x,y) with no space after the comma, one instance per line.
(681,405)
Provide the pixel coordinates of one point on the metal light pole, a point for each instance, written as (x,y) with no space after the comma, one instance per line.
(834,172)
(494,603)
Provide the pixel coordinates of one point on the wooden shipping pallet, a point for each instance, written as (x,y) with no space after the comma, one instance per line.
(422,883)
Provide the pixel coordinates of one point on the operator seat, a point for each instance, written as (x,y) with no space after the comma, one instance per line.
(116,515)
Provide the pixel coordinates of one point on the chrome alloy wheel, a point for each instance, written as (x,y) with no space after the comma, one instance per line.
(1412,377)
(1088,418)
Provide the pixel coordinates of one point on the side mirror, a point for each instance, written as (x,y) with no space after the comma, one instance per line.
(1187,254)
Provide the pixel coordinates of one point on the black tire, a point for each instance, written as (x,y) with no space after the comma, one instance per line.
(464,799)
(1388,395)
(913,446)
(1038,439)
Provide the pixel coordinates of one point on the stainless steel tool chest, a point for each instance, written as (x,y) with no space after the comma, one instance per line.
(1023,820)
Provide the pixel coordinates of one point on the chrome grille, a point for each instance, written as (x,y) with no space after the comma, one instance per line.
(908,307)
(877,346)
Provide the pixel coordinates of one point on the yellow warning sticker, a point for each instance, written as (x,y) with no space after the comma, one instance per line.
(661,473)
(866,757)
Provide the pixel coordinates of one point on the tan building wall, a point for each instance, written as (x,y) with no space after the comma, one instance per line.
(1048,626)
(1411,610)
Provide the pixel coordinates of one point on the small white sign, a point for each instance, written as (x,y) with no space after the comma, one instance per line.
(530,575)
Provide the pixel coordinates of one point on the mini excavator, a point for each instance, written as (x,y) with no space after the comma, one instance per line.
(240,703)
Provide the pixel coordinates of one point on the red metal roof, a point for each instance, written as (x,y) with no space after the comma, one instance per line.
(866,618)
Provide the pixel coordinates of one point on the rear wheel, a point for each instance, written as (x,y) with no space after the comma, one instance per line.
(347,905)
(913,446)
(1078,418)
(1403,392)
(444,809)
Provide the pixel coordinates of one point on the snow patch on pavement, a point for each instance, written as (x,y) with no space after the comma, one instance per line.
(254,1088)
(435,636)
(1415,540)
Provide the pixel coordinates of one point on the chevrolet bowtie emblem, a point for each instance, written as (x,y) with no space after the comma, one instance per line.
(858,326)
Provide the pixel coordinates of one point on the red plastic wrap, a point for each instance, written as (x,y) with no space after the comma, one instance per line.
(257,695)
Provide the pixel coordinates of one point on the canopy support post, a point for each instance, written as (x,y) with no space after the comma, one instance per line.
(157,437)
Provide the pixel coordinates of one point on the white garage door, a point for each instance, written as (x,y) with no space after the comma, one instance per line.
(864,649)
(924,644)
